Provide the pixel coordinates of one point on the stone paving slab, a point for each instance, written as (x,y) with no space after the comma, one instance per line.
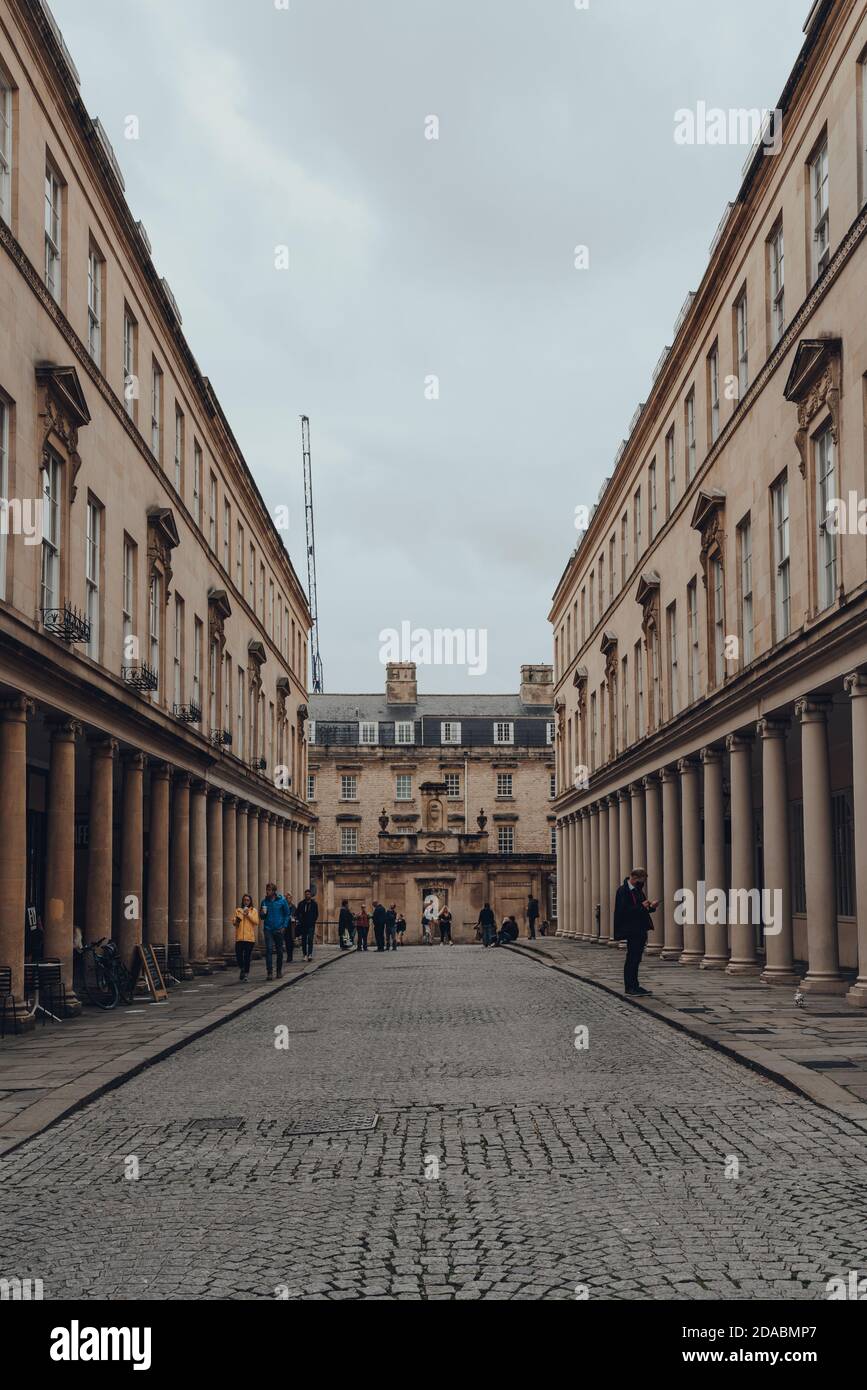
(755,1023)
(52,1071)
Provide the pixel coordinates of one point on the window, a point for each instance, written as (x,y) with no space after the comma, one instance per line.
(271,608)
(670,472)
(782,580)
(673,702)
(5,150)
(504,784)
(128,599)
(227,694)
(251,578)
(819,203)
(179,450)
(583,617)
(844,851)
(742,344)
(624,701)
(130,388)
(636,525)
(776,285)
(719,619)
(826,552)
(601,584)
(4,485)
(611,545)
(504,733)
(651,500)
(713,392)
(592,601)
(655,677)
(95,265)
(404,731)
(368,732)
(692,637)
(312,839)
(311,787)
(239,559)
(348,839)
(154,611)
(506,839)
(51,522)
(311,731)
(197,483)
(453,785)
(554,839)
(593,731)
(863,74)
(640,728)
(178,655)
(156,410)
(689,429)
(403,787)
(450,732)
(549,731)
(624,549)
(212,513)
(53,230)
(745,549)
(92,558)
(197,665)
(213,685)
(552,789)
(241,718)
(227,534)
(348,787)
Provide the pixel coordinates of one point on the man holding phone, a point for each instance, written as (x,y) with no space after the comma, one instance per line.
(632,922)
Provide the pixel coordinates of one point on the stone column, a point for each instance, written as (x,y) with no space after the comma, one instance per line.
(199,878)
(241,839)
(639,826)
(594,872)
(263,854)
(97,911)
(305,859)
(253,857)
(158,857)
(13,851)
(586,878)
(280,857)
(272,849)
(614,813)
(129,931)
(779,949)
(625,826)
(179,901)
(576,877)
(655,861)
(60,851)
(672,870)
(744,960)
(564,907)
(230,872)
(215,877)
(823,975)
(716,932)
(604,873)
(856,685)
(287,861)
(690,814)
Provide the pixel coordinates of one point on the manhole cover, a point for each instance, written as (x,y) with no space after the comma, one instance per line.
(218,1122)
(331,1122)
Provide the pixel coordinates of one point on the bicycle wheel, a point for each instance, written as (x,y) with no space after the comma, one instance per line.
(124,982)
(99,985)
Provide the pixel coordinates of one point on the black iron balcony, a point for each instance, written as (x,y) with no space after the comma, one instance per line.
(141,677)
(66,623)
(188,714)
(221,738)
(259,764)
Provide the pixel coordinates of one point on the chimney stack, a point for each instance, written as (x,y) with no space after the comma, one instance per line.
(537,685)
(401,687)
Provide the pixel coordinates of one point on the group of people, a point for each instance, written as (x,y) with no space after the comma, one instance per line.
(389,927)
(283,923)
(486,927)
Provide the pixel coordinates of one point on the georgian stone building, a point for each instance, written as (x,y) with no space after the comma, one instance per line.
(153,632)
(450,795)
(711,628)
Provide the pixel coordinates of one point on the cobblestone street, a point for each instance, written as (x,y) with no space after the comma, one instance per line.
(261,1170)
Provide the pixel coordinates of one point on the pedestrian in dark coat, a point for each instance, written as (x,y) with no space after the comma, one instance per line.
(488,924)
(532,914)
(632,922)
(391,929)
(379,925)
(345,927)
(305,916)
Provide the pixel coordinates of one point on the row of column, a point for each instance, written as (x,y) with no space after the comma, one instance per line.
(657,824)
(205,849)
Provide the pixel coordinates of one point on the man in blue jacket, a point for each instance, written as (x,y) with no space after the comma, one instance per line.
(275,917)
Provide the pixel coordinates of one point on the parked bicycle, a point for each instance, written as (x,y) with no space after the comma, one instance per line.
(103,975)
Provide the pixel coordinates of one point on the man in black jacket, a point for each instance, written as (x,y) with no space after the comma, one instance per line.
(391,929)
(379,925)
(305,916)
(632,922)
(345,926)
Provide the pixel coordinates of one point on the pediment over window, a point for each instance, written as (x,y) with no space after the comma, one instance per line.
(163,538)
(219,609)
(647,595)
(814,382)
(256,654)
(579,680)
(708,517)
(707,505)
(608,643)
(63,385)
(63,411)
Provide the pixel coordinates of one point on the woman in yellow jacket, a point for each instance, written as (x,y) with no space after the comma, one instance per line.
(246,920)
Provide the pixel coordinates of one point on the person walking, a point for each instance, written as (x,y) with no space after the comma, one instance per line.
(246,922)
(344,926)
(379,925)
(274,916)
(532,915)
(289,933)
(445,926)
(307,914)
(391,929)
(400,928)
(632,922)
(362,927)
(488,925)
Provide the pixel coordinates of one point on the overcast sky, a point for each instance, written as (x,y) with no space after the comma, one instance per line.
(412,257)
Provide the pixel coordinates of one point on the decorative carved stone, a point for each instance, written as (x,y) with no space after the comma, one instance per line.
(707,518)
(63,412)
(647,595)
(163,538)
(815,382)
(219,609)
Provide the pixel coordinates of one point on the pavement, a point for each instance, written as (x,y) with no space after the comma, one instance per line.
(819,1049)
(53,1070)
(440,1124)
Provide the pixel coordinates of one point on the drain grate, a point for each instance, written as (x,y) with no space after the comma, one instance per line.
(821,1064)
(217,1122)
(331,1122)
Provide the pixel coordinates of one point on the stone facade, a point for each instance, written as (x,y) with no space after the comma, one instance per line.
(711,630)
(153,632)
(469,820)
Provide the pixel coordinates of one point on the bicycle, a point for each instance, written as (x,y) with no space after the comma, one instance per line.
(103,975)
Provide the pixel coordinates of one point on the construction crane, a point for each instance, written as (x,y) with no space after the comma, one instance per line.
(315,658)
